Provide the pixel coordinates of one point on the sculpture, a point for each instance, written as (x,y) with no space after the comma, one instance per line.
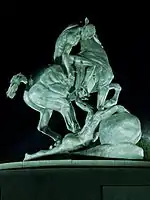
(74,78)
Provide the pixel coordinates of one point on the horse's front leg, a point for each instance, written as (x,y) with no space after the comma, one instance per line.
(101,96)
(43,127)
(103,93)
(114,100)
(86,107)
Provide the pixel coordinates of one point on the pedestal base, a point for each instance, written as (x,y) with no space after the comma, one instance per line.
(75,180)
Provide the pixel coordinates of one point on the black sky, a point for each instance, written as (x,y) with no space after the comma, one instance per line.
(27,44)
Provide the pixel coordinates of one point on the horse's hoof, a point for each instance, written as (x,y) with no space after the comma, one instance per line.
(27,156)
(51,147)
(95,138)
(56,144)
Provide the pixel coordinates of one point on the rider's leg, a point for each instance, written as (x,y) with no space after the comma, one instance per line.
(80,64)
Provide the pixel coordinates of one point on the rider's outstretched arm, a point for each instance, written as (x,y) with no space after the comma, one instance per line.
(69,36)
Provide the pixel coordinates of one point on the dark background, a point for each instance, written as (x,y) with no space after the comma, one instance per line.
(27,44)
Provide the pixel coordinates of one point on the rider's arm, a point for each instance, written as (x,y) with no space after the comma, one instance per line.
(66,61)
(71,36)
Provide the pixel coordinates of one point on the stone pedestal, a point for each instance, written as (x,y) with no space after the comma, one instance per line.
(75,180)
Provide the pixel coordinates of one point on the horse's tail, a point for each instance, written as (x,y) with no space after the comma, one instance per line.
(15,82)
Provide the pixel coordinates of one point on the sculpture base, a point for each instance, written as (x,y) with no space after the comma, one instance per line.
(75,180)
(116,151)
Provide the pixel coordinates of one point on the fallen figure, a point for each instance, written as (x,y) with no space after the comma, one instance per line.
(73,142)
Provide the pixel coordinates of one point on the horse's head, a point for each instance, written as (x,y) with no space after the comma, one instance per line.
(14,83)
(88,30)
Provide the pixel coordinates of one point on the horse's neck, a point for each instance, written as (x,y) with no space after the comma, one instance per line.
(93,50)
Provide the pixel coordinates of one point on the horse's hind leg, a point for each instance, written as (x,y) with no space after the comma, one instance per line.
(43,127)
